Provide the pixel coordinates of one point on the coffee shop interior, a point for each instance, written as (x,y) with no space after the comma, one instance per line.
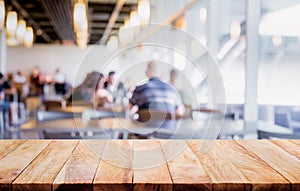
(77,69)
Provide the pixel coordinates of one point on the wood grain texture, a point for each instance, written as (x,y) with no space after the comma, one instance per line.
(259,173)
(223,174)
(186,171)
(6,146)
(289,146)
(40,173)
(17,160)
(150,169)
(36,165)
(279,159)
(79,171)
(115,169)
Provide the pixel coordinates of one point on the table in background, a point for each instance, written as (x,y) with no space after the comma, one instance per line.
(73,165)
(230,129)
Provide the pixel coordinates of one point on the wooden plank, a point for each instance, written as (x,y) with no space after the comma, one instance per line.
(150,168)
(289,146)
(79,171)
(260,174)
(17,160)
(6,146)
(280,160)
(115,168)
(223,174)
(297,142)
(40,174)
(186,171)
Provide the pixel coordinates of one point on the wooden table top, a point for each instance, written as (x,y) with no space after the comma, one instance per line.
(143,165)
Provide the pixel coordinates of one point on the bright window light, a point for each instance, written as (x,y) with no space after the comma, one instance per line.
(281,23)
(203,14)
(235,30)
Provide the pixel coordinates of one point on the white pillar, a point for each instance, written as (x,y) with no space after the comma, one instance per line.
(3,52)
(213,13)
(253,10)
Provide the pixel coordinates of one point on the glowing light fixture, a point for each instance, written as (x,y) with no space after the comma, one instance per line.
(113,43)
(11,23)
(203,14)
(81,24)
(2,14)
(126,34)
(79,16)
(21,30)
(277,41)
(28,38)
(144,11)
(134,19)
(235,29)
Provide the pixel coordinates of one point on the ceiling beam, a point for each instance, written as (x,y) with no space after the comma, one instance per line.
(114,16)
(60,15)
(130,2)
(35,25)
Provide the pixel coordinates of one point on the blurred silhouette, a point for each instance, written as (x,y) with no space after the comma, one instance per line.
(155,94)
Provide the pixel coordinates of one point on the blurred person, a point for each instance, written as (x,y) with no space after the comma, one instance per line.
(155,94)
(185,97)
(36,82)
(59,82)
(22,87)
(117,90)
(101,95)
(19,77)
(7,90)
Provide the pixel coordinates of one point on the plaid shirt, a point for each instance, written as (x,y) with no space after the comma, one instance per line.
(156,94)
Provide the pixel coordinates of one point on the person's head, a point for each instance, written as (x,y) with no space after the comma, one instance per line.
(19,73)
(57,70)
(173,76)
(100,82)
(36,70)
(111,77)
(152,70)
(1,78)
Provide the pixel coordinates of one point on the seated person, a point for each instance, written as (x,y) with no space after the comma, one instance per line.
(36,82)
(6,85)
(59,82)
(155,94)
(101,95)
(117,90)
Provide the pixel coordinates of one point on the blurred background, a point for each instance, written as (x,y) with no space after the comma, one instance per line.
(255,43)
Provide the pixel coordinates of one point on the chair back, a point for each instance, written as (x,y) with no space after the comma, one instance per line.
(50,104)
(75,134)
(283,119)
(53,115)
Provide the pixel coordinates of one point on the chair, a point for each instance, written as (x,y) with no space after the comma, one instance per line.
(50,104)
(75,134)
(274,135)
(81,103)
(53,115)
(148,115)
